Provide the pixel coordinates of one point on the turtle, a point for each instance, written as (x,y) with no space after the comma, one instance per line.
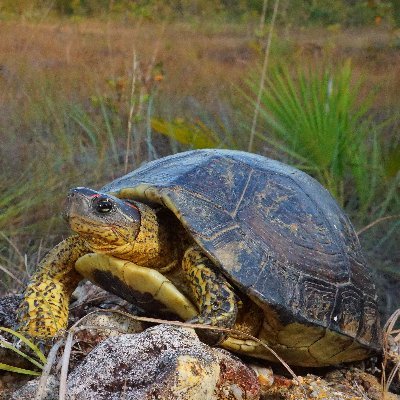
(224,238)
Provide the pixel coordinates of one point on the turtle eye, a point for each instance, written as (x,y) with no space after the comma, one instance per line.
(103,205)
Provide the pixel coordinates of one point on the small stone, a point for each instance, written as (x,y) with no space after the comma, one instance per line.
(237,392)
(237,381)
(265,376)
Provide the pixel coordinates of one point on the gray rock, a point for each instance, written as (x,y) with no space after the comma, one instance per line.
(29,390)
(161,363)
(8,307)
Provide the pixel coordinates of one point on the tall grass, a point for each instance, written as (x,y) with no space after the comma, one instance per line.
(64,144)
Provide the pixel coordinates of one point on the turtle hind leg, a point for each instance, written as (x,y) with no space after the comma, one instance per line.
(211,292)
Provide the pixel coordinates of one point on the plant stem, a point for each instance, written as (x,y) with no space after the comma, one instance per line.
(263,74)
(132,105)
(262,18)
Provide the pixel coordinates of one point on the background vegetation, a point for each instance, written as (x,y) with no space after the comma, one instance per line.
(91,89)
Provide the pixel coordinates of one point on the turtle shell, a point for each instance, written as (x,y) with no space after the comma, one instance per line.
(274,231)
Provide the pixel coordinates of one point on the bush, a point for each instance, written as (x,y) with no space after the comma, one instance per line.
(321,122)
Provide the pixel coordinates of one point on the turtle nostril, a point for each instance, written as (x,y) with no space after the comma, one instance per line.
(71,193)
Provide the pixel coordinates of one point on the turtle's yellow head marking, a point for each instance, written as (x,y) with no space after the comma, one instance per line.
(106,223)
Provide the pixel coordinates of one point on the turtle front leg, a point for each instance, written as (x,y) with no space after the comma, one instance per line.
(44,308)
(212,294)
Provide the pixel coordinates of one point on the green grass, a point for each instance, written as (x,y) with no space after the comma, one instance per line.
(38,363)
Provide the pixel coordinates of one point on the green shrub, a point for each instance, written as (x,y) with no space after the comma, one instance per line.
(320,120)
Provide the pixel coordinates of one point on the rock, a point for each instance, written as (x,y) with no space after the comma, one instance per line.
(107,324)
(29,390)
(364,383)
(162,363)
(8,307)
(236,380)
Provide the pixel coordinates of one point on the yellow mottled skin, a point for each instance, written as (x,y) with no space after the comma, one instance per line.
(214,297)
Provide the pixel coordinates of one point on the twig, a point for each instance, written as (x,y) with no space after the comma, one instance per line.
(377,221)
(65,364)
(263,74)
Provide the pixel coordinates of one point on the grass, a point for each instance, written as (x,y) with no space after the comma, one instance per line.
(88,105)
(391,359)
(39,363)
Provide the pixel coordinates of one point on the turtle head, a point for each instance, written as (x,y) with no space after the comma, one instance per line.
(106,223)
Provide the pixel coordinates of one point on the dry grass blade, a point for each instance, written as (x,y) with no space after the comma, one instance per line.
(377,221)
(132,105)
(6,271)
(13,245)
(263,14)
(65,365)
(391,340)
(40,393)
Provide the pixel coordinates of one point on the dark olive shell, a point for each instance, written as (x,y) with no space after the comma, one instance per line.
(273,230)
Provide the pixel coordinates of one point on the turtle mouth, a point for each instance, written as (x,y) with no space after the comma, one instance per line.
(98,232)
(106,239)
